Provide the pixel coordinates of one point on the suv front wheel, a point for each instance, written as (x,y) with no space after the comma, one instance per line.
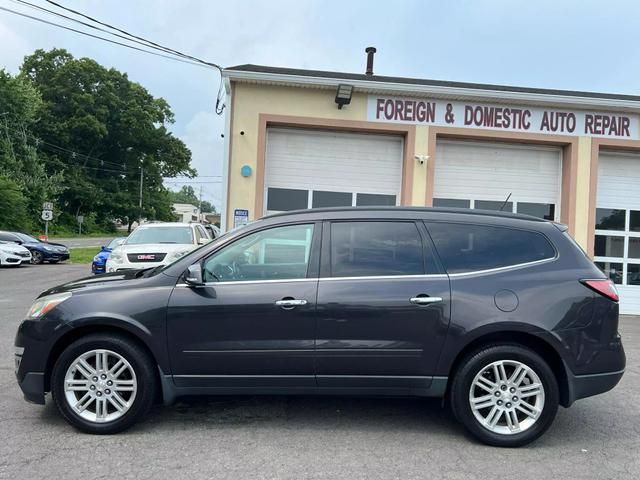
(505,395)
(103,383)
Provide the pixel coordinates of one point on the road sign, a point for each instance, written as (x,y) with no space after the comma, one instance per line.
(80,218)
(47,215)
(47,206)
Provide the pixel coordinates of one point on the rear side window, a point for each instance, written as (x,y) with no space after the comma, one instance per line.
(467,248)
(362,249)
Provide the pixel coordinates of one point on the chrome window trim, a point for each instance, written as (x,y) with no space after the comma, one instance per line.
(385,277)
(505,268)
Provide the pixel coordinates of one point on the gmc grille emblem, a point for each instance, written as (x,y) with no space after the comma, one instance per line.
(146,257)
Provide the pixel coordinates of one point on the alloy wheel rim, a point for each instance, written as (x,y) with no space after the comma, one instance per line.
(507,397)
(100,386)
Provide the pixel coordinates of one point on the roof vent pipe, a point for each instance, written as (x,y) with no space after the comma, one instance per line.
(370,53)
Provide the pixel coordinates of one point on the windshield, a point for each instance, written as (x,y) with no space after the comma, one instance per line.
(161,235)
(26,238)
(115,242)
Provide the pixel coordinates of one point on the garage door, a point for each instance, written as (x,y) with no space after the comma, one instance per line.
(617,242)
(482,175)
(312,169)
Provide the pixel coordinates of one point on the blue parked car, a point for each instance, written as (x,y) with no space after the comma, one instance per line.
(40,251)
(100,260)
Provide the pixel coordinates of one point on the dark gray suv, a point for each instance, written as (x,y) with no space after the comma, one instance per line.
(503,315)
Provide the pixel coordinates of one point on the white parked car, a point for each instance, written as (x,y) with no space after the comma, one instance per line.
(156,244)
(13,254)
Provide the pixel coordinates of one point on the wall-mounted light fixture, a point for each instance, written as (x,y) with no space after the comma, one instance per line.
(421,159)
(343,94)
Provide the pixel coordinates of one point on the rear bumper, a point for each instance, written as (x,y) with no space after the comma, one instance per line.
(583,386)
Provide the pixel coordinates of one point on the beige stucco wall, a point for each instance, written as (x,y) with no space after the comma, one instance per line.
(250,100)
(583,182)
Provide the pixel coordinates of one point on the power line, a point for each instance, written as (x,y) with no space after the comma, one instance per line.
(218,109)
(148,42)
(102,38)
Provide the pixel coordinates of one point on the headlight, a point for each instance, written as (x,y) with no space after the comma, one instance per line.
(96,259)
(43,305)
(48,248)
(116,257)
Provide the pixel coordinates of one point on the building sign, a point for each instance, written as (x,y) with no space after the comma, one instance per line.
(503,117)
(240,217)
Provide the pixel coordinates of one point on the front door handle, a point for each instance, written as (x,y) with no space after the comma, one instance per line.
(425,300)
(290,303)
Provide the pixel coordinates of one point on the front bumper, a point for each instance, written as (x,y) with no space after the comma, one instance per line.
(55,256)
(98,267)
(16,259)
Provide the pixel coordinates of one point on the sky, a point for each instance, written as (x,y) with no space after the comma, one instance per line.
(563,44)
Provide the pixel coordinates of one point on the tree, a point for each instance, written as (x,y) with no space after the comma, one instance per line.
(188,195)
(105,128)
(12,205)
(30,184)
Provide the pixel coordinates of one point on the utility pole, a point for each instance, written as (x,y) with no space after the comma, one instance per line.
(140,197)
(200,206)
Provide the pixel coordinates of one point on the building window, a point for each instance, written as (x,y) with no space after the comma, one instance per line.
(451,203)
(546,211)
(617,244)
(374,199)
(283,199)
(331,199)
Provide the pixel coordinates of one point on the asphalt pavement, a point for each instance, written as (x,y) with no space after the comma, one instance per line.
(302,437)
(96,242)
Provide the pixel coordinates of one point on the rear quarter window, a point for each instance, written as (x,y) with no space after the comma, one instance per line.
(468,248)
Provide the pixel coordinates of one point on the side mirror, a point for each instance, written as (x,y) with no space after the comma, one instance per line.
(193,275)
(103,248)
(202,241)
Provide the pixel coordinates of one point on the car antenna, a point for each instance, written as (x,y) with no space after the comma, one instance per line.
(505,202)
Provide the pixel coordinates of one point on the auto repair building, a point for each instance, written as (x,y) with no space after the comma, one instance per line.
(306,139)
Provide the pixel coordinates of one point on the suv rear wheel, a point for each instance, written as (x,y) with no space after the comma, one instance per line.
(505,395)
(103,383)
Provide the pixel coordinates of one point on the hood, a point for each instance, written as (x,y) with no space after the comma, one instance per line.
(43,244)
(12,248)
(155,248)
(95,281)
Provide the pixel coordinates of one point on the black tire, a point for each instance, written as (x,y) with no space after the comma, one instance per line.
(36,257)
(476,362)
(139,360)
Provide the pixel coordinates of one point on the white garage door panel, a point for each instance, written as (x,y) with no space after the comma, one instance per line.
(491,171)
(619,188)
(629,299)
(319,160)
(618,181)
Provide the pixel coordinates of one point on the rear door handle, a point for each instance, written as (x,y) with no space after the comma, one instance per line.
(290,302)
(425,300)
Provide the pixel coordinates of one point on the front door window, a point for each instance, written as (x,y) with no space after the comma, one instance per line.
(280,253)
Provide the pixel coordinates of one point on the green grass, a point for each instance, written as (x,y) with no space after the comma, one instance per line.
(82,254)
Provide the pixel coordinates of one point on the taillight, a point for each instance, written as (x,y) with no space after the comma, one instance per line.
(606,288)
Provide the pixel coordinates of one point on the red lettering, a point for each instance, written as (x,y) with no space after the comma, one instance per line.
(399,110)
(379,107)
(588,123)
(468,115)
(408,111)
(624,131)
(420,111)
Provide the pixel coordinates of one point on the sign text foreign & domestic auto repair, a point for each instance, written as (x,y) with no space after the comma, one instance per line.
(503,117)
